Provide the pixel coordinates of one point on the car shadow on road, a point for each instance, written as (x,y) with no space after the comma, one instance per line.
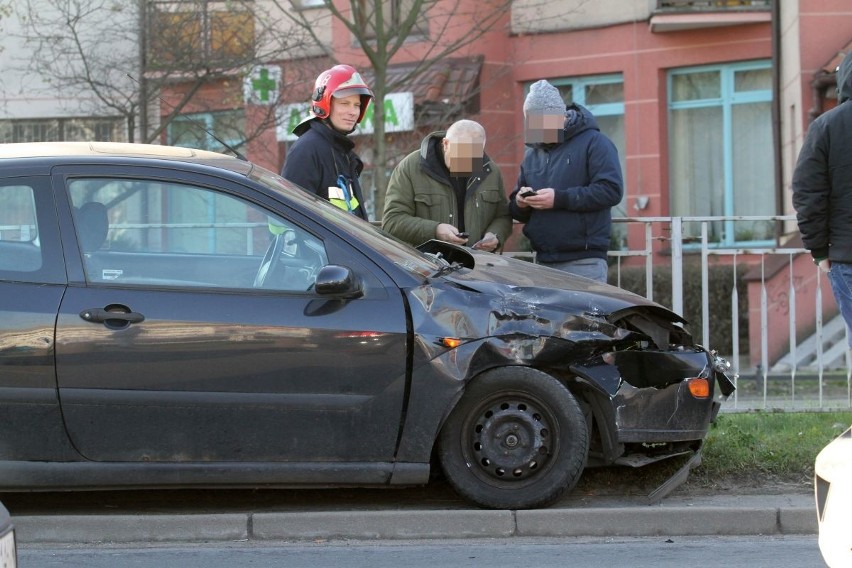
(610,482)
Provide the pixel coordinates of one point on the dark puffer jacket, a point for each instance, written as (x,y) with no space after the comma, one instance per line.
(585,174)
(822,181)
(319,156)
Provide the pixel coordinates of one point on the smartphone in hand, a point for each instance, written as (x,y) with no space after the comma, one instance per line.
(463,235)
(528,193)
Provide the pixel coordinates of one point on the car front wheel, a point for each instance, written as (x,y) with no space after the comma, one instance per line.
(516,440)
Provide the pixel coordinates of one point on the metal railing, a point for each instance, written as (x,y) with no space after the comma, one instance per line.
(804,377)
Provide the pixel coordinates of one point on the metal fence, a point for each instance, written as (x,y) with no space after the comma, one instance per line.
(813,372)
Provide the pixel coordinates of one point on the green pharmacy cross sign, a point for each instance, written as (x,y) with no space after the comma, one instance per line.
(260,86)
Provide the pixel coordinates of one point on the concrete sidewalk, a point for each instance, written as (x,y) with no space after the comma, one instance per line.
(677,515)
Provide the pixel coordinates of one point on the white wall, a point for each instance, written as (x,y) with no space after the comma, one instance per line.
(26,93)
(533,16)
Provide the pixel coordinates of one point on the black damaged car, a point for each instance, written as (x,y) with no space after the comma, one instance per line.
(178,318)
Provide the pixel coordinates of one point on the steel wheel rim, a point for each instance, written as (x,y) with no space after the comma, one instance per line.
(510,440)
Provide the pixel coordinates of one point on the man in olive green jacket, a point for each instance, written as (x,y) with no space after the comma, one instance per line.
(449,190)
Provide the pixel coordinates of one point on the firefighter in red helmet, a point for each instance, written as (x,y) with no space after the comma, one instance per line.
(323,160)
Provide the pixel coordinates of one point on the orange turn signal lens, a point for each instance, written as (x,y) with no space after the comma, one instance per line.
(451,342)
(699,387)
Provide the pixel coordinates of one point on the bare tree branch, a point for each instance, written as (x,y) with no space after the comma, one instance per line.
(385,30)
(5,12)
(88,51)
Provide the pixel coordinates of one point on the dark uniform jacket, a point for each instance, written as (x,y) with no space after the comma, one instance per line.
(822,180)
(585,173)
(319,157)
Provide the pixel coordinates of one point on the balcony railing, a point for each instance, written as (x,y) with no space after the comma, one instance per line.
(679,6)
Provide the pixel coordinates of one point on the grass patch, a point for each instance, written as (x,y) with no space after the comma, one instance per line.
(778,444)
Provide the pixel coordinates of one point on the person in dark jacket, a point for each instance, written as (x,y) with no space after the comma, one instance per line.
(449,190)
(569,180)
(323,160)
(822,193)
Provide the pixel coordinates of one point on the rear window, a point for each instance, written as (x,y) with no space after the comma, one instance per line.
(20,248)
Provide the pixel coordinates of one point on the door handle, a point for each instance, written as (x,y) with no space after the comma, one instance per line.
(106,315)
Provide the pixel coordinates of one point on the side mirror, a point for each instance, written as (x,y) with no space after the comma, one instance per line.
(335,280)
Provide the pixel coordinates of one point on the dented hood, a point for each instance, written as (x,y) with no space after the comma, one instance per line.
(501,297)
(501,276)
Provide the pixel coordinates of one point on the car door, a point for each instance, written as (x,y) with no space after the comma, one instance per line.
(32,281)
(168,351)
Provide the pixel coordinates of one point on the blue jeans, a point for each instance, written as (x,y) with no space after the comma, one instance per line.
(594,268)
(840,277)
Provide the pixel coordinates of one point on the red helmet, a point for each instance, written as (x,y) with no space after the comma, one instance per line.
(339,81)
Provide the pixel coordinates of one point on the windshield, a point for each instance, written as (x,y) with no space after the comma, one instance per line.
(402,254)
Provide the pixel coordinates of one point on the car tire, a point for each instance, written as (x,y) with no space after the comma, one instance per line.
(516,440)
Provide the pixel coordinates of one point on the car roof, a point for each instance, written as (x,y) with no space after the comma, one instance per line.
(50,149)
(69,151)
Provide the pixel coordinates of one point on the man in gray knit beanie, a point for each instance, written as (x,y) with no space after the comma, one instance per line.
(544,114)
(569,180)
(544,98)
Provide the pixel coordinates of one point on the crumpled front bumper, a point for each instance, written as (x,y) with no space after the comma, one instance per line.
(652,401)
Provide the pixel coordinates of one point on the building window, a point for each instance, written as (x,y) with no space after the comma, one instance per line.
(63,130)
(720,148)
(185,34)
(201,130)
(603,95)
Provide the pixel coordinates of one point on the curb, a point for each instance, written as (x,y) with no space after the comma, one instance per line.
(390,525)
(681,521)
(130,528)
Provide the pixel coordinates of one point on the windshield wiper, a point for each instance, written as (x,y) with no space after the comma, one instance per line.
(447,268)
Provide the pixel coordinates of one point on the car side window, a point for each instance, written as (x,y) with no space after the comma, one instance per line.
(164,234)
(20,248)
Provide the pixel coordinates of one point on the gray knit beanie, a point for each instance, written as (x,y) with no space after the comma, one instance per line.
(544,98)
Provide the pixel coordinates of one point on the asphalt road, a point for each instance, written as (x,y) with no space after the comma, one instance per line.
(654,552)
